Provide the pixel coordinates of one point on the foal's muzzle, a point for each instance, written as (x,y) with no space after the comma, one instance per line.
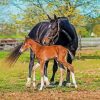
(21,50)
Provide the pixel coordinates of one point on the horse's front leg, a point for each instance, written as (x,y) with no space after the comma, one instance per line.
(28,83)
(55,68)
(45,73)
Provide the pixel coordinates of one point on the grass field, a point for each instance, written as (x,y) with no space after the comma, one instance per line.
(87,71)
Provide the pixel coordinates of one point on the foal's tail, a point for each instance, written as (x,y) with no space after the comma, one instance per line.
(14,55)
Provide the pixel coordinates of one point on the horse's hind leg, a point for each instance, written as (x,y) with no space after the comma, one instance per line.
(45,73)
(28,83)
(69,60)
(55,68)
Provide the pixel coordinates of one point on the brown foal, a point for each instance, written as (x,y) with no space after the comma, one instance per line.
(44,53)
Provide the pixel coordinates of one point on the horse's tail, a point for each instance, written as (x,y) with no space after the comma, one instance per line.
(14,55)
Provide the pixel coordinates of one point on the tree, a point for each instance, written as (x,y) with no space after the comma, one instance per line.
(78,12)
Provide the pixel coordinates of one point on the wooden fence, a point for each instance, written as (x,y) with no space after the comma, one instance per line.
(89,43)
(84,43)
(9,44)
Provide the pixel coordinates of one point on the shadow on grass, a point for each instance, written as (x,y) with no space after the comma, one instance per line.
(88,57)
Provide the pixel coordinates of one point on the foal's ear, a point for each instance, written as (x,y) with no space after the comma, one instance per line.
(27,37)
(49,17)
(55,17)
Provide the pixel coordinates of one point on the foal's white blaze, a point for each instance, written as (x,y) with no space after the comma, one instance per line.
(46,80)
(73,79)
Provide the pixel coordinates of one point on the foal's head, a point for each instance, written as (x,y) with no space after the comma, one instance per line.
(26,44)
(53,31)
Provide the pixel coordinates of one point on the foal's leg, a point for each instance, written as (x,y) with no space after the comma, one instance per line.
(34,68)
(70,67)
(61,76)
(28,83)
(55,68)
(42,74)
(69,60)
(73,79)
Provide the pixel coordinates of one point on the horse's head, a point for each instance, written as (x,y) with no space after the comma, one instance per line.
(25,45)
(52,31)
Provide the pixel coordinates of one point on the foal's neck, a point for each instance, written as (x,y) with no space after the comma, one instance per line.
(35,46)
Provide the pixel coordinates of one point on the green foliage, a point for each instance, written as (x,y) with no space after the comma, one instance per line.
(96,29)
(83,32)
(36,11)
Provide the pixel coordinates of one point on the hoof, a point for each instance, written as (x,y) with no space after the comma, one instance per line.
(28,83)
(68,84)
(52,83)
(41,88)
(50,86)
(76,86)
(34,85)
(60,85)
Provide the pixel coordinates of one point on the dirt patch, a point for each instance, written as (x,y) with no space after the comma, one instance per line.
(51,95)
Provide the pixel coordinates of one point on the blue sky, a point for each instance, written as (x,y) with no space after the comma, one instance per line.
(11,8)
(17,6)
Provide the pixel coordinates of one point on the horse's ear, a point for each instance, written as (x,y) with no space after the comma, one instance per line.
(49,17)
(55,17)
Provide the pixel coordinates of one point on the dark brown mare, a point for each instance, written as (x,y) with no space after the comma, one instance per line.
(58,31)
(43,54)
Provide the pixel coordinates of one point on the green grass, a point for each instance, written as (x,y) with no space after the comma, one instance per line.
(13,36)
(87,73)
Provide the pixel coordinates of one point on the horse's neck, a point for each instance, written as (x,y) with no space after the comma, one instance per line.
(35,46)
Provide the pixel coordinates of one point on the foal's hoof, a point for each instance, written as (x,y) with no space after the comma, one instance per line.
(60,84)
(50,86)
(41,88)
(28,83)
(68,84)
(76,86)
